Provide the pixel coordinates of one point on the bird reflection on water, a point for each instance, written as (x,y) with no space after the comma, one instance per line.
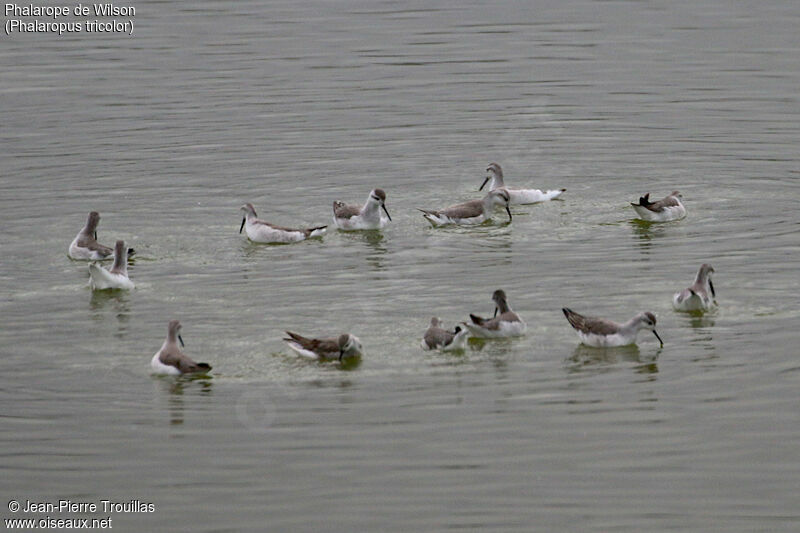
(600,360)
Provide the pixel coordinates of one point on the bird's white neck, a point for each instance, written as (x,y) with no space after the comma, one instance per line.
(496,181)
(371,209)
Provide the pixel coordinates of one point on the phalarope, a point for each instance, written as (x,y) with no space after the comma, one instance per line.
(352,217)
(260,231)
(700,296)
(344,346)
(505,324)
(600,332)
(468,213)
(85,246)
(517,196)
(438,338)
(171,360)
(664,210)
(117,277)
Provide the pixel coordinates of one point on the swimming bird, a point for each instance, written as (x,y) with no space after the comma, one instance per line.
(664,210)
(438,338)
(352,217)
(600,332)
(117,277)
(344,346)
(259,231)
(700,296)
(467,213)
(171,360)
(506,324)
(517,196)
(85,246)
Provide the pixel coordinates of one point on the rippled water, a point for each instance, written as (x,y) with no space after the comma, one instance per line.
(291,106)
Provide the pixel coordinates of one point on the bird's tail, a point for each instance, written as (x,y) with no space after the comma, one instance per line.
(430,216)
(317,232)
(644,200)
(476,319)
(294,337)
(574,319)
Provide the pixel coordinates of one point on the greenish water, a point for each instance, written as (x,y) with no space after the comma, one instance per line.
(293,106)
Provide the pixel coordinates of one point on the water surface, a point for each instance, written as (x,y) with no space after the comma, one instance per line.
(291,106)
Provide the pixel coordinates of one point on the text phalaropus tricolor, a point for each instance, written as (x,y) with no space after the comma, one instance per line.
(467,213)
(259,231)
(517,196)
(117,277)
(352,217)
(664,210)
(700,296)
(342,347)
(600,332)
(85,246)
(171,360)
(505,324)
(438,338)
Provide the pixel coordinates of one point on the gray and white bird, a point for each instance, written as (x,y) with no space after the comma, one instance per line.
(700,296)
(505,323)
(664,210)
(469,213)
(260,231)
(438,338)
(600,332)
(117,276)
(353,217)
(342,347)
(517,196)
(85,246)
(171,360)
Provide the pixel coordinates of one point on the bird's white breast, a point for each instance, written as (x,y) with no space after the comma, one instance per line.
(100,279)
(592,339)
(83,253)
(694,302)
(667,214)
(160,368)
(531,196)
(267,234)
(360,222)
